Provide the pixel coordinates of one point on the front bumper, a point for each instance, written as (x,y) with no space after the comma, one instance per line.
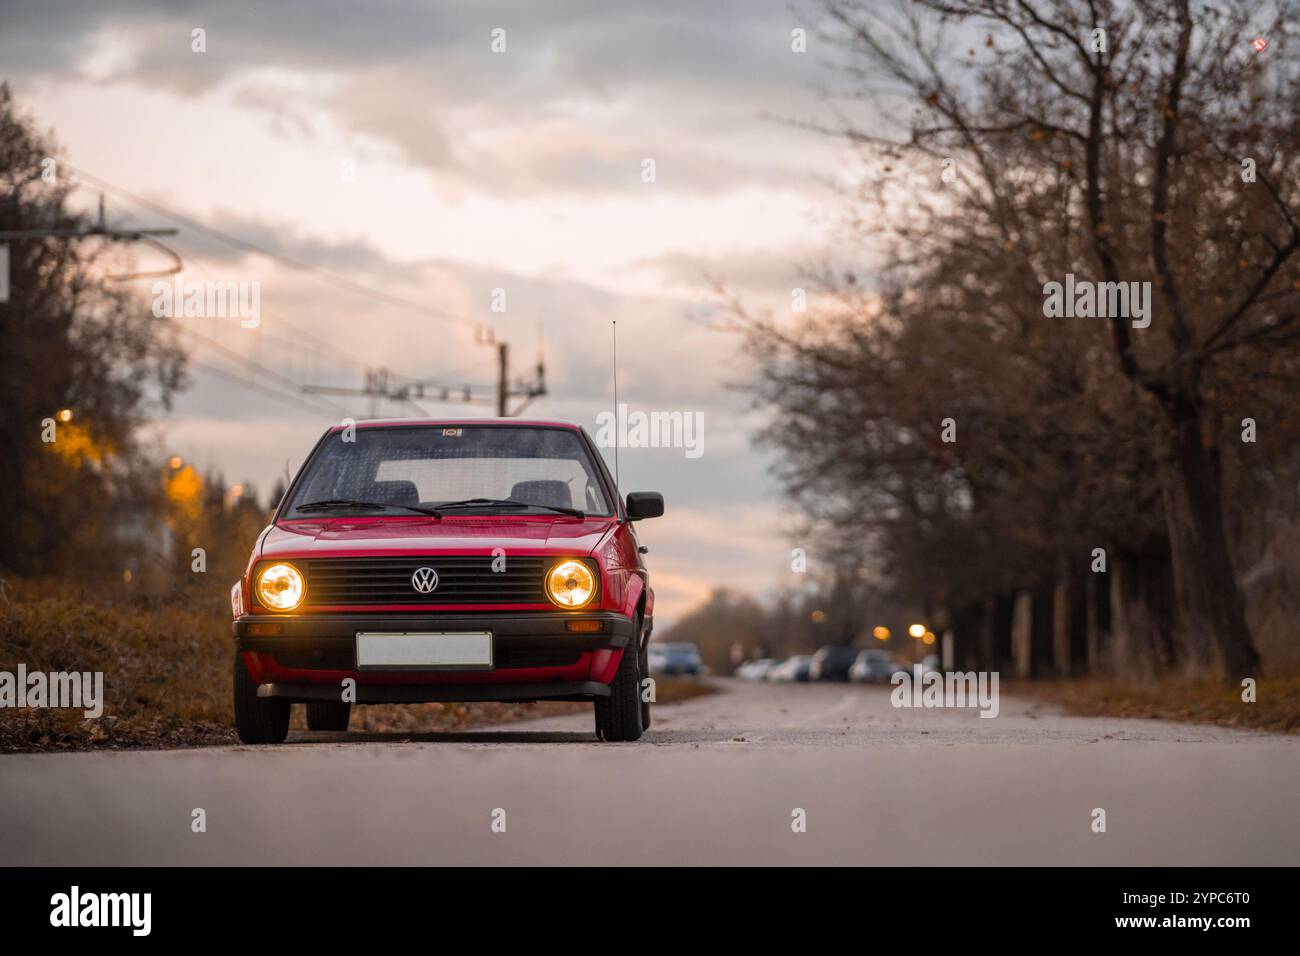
(535,656)
(430,693)
(510,629)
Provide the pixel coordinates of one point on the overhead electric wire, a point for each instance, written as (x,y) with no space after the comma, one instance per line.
(436,383)
(338,280)
(248,383)
(334,278)
(333,407)
(329,347)
(253,363)
(316,341)
(444,376)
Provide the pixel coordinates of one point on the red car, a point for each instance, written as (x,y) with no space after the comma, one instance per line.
(416,561)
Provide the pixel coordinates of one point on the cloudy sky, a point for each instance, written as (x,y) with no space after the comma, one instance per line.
(388,144)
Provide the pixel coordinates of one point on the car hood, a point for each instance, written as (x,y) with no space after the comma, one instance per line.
(386,535)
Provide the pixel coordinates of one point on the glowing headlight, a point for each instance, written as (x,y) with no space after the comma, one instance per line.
(281,587)
(570,584)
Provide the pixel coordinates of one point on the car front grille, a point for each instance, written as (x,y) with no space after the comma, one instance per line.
(462,579)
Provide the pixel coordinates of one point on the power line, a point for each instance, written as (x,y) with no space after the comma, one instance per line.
(211,343)
(316,343)
(324,405)
(248,383)
(279,319)
(376,380)
(338,280)
(444,376)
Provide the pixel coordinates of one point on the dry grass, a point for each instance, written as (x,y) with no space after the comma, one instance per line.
(166,673)
(1193,700)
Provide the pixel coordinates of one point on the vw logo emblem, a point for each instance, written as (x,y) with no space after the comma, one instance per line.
(424,580)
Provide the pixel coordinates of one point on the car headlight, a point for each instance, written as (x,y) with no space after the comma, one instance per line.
(570,584)
(281,587)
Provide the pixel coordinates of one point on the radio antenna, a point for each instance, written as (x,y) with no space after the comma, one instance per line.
(615,323)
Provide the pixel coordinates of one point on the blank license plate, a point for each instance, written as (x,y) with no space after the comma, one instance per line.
(425,651)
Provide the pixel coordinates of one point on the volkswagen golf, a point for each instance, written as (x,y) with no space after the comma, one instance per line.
(414,561)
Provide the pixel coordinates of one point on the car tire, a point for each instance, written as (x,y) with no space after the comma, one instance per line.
(258,720)
(328,715)
(618,716)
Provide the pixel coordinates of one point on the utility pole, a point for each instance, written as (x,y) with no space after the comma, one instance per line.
(100,229)
(503,378)
(378,386)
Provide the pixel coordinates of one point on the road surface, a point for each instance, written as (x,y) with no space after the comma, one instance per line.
(718,780)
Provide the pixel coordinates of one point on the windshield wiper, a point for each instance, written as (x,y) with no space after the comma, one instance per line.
(506,503)
(333,504)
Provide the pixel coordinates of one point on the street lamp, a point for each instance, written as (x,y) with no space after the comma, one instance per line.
(916,630)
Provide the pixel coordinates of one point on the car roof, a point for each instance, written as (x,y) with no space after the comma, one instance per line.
(461,423)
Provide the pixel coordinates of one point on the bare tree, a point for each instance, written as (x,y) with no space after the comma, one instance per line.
(1138,142)
(73,344)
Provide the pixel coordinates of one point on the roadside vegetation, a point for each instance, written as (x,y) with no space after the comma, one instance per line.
(1187,699)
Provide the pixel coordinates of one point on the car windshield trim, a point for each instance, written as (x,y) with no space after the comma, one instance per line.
(601,496)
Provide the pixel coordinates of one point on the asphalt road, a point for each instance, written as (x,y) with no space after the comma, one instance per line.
(716,781)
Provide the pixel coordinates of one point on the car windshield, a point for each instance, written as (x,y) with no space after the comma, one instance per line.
(405,467)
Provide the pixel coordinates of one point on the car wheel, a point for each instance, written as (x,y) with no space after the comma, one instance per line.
(328,715)
(618,716)
(258,720)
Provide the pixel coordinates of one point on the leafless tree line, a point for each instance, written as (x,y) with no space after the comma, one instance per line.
(978,452)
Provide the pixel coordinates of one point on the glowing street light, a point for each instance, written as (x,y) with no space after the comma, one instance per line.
(65,415)
(928,637)
(880,633)
(916,630)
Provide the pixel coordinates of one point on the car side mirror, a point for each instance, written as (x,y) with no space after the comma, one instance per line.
(644,504)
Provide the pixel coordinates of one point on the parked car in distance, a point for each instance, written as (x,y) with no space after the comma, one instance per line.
(675,658)
(756,670)
(832,662)
(873,666)
(791,669)
(927,664)
(432,560)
